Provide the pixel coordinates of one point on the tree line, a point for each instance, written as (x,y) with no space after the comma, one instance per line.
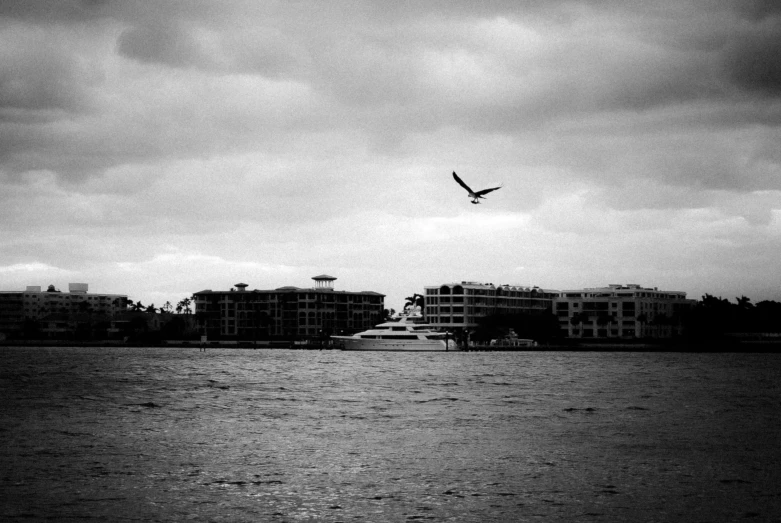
(714,318)
(183,307)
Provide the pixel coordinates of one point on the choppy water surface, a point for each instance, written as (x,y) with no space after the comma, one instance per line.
(277,435)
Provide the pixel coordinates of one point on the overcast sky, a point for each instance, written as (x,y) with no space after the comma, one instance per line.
(159,148)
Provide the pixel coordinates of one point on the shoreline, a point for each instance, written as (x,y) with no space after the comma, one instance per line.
(760,346)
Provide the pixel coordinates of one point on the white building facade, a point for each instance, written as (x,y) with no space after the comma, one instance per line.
(621,311)
(35,304)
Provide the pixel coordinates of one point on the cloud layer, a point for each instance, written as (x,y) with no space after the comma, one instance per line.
(160,149)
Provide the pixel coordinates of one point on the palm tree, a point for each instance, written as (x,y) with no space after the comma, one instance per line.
(744,302)
(416,300)
(167,308)
(184,306)
(659,321)
(744,315)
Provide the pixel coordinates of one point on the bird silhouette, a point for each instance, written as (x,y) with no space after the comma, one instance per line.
(475,195)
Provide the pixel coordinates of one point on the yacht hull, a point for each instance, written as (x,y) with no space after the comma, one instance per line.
(350,343)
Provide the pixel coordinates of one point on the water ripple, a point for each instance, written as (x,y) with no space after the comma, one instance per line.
(275,435)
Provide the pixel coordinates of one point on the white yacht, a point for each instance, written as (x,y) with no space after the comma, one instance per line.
(407,333)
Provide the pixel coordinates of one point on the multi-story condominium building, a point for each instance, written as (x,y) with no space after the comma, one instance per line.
(35,304)
(461,305)
(287,311)
(621,311)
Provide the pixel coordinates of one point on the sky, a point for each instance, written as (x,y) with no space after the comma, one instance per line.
(160,148)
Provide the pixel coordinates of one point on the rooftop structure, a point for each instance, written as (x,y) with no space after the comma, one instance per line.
(324,281)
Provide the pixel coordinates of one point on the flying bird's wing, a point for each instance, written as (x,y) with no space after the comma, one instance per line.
(461,183)
(486,191)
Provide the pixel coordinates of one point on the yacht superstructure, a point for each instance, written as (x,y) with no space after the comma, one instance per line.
(407,333)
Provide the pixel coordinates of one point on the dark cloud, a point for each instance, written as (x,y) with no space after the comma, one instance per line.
(756,10)
(38,75)
(752,59)
(163,44)
(380,73)
(48,11)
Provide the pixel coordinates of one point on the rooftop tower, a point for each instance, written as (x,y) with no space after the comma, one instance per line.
(324,282)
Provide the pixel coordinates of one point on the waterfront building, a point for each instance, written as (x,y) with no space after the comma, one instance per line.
(287,311)
(33,305)
(621,311)
(461,305)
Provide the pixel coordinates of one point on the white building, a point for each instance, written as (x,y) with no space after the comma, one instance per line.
(461,305)
(621,311)
(34,304)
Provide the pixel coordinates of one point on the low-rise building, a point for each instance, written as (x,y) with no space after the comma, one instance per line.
(461,305)
(286,312)
(621,311)
(32,305)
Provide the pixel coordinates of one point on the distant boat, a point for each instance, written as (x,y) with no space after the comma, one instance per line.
(513,342)
(405,333)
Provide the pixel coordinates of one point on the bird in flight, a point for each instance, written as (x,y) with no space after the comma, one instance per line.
(472,194)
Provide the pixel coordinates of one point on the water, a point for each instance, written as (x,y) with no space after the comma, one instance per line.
(120,434)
